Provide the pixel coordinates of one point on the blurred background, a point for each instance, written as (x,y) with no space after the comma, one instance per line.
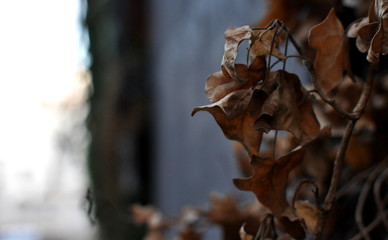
(44,89)
(95,103)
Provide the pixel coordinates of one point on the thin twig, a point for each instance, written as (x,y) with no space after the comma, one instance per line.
(361,202)
(376,193)
(270,52)
(366,91)
(285,52)
(375,223)
(359,177)
(358,110)
(329,199)
(332,102)
(305,59)
(292,39)
(274,64)
(338,162)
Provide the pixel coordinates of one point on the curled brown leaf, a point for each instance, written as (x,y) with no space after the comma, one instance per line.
(288,107)
(244,235)
(220,84)
(372,31)
(236,114)
(309,212)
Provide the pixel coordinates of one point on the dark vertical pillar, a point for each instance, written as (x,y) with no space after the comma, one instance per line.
(119,112)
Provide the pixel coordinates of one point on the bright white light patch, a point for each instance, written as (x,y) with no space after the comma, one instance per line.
(40,85)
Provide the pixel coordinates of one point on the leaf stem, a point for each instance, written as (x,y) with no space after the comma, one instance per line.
(332,102)
(270,52)
(286,51)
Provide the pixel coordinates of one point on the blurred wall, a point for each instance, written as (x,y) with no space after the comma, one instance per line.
(192,156)
(149,63)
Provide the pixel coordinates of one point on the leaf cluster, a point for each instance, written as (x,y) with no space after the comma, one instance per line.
(278,120)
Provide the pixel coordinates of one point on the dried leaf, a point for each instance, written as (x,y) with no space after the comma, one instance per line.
(262,42)
(243,159)
(280,103)
(234,36)
(359,155)
(380,8)
(154,235)
(225,211)
(142,214)
(236,114)
(379,43)
(318,158)
(267,229)
(154,220)
(220,84)
(364,29)
(269,182)
(331,58)
(309,213)
(372,32)
(292,227)
(365,36)
(244,235)
(288,107)
(189,233)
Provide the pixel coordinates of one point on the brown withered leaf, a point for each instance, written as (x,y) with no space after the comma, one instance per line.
(225,212)
(366,34)
(233,37)
(220,84)
(288,107)
(189,233)
(262,42)
(372,31)
(243,159)
(269,182)
(381,8)
(236,114)
(267,229)
(244,235)
(379,43)
(152,218)
(328,39)
(142,214)
(154,235)
(359,155)
(364,29)
(309,212)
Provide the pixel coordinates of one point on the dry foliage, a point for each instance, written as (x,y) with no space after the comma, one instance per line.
(343,163)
